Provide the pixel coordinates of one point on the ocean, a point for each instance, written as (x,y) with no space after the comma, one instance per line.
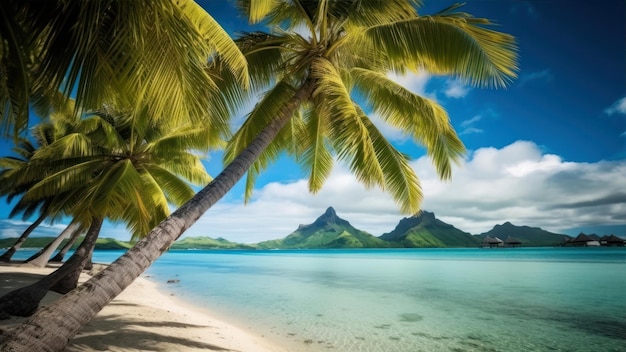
(513,299)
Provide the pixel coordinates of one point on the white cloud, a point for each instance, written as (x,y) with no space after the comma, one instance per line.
(517,183)
(471,130)
(543,76)
(15,228)
(471,121)
(456,89)
(619,107)
(468,126)
(8,233)
(416,83)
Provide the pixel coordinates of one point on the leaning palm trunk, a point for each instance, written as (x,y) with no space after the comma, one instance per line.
(24,301)
(73,238)
(79,261)
(44,332)
(6,257)
(41,258)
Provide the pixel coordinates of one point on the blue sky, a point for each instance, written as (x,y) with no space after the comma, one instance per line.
(548,151)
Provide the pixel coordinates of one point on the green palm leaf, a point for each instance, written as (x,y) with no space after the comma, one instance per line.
(149,55)
(349,135)
(425,120)
(400,178)
(449,43)
(316,158)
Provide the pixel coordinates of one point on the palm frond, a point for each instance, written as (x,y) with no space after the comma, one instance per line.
(174,189)
(349,136)
(316,158)
(182,138)
(66,147)
(217,38)
(47,184)
(450,43)
(256,10)
(423,119)
(265,52)
(15,62)
(400,179)
(187,166)
(151,55)
(265,110)
(370,12)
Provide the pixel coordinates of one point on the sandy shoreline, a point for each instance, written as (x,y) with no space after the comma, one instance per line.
(144,319)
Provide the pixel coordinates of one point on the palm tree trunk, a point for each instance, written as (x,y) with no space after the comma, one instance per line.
(73,238)
(6,257)
(24,301)
(79,260)
(43,332)
(41,258)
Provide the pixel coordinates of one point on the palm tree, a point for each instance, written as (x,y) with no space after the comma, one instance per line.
(151,54)
(10,186)
(352,45)
(111,165)
(155,53)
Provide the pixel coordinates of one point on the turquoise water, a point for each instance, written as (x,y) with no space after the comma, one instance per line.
(537,299)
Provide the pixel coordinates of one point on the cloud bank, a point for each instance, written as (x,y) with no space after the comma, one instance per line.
(517,183)
(15,228)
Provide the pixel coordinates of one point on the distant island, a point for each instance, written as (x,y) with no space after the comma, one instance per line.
(420,231)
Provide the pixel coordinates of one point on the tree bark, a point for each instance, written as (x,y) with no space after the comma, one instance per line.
(6,257)
(59,256)
(24,301)
(53,326)
(79,260)
(41,258)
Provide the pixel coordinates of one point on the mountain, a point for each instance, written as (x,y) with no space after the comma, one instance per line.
(529,236)
(425,230)
(328,231)
(203,242)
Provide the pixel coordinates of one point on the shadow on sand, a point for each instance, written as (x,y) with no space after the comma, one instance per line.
(110,332)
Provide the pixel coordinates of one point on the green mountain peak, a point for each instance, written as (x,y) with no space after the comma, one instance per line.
(425,230)
(327,231)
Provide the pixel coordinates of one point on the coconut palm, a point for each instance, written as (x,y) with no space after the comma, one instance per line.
(309,80)
(150,53)
(10,170)
(111,165)
(154,52)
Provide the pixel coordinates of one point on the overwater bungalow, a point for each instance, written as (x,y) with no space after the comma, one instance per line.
(512,242)
(583,240)
(490,242)
(612,241)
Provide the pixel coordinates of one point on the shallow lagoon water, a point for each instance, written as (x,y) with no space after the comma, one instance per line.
(522,299)
(546,299)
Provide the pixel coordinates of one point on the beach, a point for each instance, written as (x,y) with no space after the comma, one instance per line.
(143,319)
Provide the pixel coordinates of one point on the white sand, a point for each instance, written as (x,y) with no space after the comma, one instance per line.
(143,319)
